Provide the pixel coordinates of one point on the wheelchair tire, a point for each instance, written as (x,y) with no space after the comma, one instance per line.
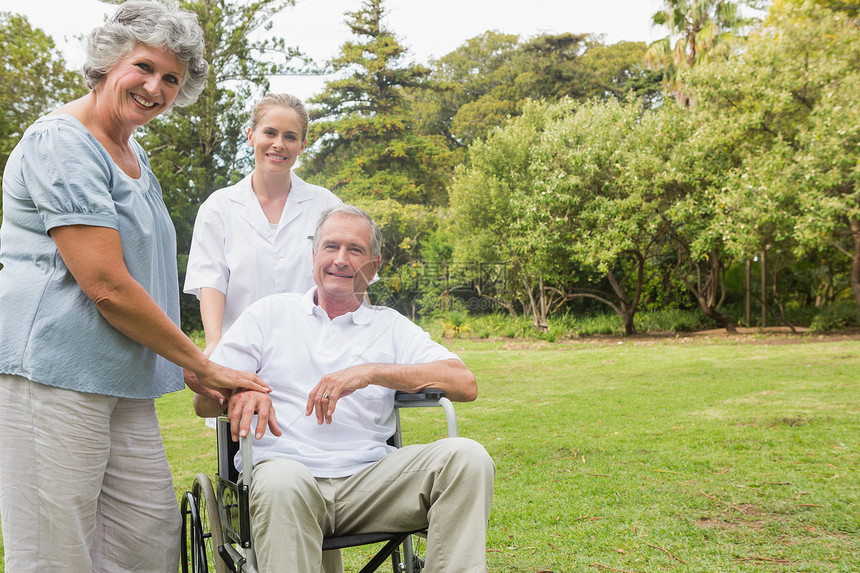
(191,534)
(413,552)
(202,534)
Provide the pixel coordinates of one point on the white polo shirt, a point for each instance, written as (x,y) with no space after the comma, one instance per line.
(291,343)
(237,251)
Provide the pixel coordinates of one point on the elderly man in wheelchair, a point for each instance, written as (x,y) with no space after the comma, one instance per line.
(324,469)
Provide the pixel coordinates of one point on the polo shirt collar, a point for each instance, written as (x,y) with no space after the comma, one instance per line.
(361,316)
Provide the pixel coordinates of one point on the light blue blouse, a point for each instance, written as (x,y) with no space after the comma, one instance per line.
(50,332)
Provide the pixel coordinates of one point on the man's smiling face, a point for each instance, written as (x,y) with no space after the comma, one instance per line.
(343,264)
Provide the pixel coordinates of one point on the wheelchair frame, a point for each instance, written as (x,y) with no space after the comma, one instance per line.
(220,541)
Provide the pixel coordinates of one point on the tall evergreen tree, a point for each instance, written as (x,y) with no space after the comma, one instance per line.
(363,142)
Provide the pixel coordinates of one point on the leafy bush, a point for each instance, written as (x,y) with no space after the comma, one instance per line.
(671,320)
(455,323)
(606,324)
(459,323)
(836,316)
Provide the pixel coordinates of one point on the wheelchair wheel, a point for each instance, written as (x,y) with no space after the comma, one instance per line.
(202,533)
(413,552)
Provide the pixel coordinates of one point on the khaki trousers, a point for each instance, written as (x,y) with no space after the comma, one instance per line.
(84,483)
(446,486)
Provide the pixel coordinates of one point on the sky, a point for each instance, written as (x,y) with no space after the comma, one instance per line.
(427,29)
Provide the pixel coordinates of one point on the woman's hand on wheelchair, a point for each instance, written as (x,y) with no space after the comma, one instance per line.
(244,404)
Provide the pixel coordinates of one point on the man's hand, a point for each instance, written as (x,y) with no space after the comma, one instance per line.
(324,396)
(241,409)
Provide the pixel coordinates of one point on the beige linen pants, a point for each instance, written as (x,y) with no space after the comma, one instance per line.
(84,483)
(446,486)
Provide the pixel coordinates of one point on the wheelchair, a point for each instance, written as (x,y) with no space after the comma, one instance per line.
(216,519)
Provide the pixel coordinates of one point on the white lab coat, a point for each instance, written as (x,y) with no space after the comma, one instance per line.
(237,251)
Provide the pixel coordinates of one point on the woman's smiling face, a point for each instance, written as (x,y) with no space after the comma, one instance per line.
(277,139)
(142,85)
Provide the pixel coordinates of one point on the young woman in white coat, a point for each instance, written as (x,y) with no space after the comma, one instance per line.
(254,238)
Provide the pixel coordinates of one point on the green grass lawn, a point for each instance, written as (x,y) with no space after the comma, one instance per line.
(696,454)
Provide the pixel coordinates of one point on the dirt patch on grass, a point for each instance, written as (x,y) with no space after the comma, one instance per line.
(751,515)
(714,523)
(751,510)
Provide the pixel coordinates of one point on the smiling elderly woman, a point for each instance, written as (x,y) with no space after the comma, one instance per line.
(89,310)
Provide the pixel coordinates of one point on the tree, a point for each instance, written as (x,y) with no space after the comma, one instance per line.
(465,95)
(487,80)
(594,191)
(364,144)
(566,194)
(485,200)
(849,7)
(34,77)
(616,71)
(689,186)
(550,67)
(791,112)
(698,26)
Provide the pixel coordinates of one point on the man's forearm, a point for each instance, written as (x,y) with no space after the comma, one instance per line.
(450,375)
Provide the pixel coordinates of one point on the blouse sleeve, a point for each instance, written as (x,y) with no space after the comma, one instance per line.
(65,172)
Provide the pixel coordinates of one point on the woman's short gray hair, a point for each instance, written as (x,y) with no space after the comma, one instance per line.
(156,24)
(351,211)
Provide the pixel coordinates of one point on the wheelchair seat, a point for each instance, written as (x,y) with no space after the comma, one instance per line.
(217,532)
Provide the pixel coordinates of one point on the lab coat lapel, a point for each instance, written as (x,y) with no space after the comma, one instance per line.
(299,193)
(252,212)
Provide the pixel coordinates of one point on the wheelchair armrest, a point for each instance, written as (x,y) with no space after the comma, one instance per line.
(430,394)
(429,398)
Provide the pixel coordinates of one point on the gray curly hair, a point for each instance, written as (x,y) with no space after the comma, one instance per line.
(153,23)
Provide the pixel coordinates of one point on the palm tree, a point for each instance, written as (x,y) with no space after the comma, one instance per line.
(697,26)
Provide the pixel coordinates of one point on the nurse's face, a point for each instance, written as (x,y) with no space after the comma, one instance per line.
(277,139)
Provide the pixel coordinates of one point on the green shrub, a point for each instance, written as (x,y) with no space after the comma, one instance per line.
(455,323)
(605,324)
(836,316)
(671,320)
(198,338)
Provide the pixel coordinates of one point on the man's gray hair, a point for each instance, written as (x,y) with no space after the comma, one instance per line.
(352,211)
(160,24)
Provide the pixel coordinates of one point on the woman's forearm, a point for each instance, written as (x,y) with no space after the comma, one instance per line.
(93,255)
